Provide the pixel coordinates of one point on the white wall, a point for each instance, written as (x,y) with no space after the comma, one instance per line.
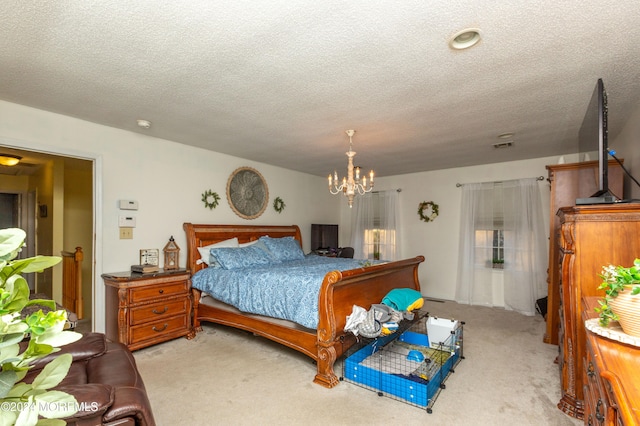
(438,240)
(627,145)
(166,178)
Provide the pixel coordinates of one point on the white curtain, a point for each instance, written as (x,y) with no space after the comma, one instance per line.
(515,208)
(525,262)
(475,278)
(374,225)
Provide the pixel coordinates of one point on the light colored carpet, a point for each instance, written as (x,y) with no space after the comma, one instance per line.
(226,376)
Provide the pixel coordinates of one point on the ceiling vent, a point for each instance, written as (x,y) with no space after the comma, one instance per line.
(503,145)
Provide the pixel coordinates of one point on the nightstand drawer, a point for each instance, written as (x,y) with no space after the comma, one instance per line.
(158,311)
(175,288)
(157,329)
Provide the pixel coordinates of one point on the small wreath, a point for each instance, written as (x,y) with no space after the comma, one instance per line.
(426,205)
(278,205)
(210,199)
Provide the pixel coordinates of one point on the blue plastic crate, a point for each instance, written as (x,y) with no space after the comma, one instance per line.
(416,392)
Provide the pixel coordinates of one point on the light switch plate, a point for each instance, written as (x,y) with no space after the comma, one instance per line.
(127,221)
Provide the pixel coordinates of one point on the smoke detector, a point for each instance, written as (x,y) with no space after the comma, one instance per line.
(145,124)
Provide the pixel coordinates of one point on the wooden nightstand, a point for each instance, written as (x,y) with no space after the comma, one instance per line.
(145,309)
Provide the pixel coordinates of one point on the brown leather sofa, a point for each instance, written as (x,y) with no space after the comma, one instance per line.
(105,381)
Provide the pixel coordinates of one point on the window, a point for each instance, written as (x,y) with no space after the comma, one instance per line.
(378,241)
(489,248)
(498,249)
(489,229)
(502,221)
(374,226)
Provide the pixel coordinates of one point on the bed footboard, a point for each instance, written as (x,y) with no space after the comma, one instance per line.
(362,287)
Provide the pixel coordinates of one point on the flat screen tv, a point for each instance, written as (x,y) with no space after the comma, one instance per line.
(324,237)
(593,145)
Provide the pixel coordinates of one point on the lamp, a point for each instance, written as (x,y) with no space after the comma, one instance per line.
(9,159)
(352,184)
(171,255)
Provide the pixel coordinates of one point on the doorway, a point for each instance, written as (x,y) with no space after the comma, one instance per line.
(17,210)
(8,210)
(51,197)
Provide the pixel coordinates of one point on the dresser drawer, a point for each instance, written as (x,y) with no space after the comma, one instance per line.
(158,329)
(157,311)
(146,293)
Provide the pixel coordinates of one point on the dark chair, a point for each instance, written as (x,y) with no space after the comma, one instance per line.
(346,252)
(105,380)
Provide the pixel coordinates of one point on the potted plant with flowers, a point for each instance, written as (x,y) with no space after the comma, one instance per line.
(622,297)
(26,338)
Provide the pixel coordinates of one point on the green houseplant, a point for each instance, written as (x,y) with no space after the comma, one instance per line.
(619,282)
(33,403)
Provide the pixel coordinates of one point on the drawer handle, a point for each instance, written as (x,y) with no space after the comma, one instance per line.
(161,291)
(155,311)
(599,414)
(162,329)
(591,371)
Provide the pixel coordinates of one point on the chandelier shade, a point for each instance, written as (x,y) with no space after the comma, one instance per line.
(352,184)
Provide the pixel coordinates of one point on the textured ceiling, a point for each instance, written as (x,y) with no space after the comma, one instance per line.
(280,81)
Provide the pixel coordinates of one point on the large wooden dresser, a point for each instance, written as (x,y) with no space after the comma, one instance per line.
(591,237)
(568,182)
(611,377)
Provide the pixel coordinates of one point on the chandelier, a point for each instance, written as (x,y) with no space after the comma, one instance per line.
(352,184)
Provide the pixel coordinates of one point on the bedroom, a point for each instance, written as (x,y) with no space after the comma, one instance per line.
(173,176)
(182,173)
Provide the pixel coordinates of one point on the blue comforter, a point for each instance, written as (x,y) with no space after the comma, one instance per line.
(287,290)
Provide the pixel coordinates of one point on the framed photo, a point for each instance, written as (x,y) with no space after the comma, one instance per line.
(150,257)
(247,192)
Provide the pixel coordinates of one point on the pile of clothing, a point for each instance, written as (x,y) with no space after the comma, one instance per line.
(383,318)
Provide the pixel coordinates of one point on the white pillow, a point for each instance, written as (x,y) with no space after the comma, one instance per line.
(250,243)
(205,251)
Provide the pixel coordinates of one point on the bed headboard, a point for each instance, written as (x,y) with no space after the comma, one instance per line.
(203,235)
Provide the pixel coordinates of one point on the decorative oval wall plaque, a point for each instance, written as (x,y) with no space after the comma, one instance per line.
(247,192)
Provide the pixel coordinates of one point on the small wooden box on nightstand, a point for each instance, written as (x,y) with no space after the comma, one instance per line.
(145,309)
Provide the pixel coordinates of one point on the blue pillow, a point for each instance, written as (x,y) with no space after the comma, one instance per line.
(205,255)
(258,243)
(285,248)
(241,257)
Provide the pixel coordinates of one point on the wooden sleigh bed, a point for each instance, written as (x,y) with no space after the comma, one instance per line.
(338,293)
